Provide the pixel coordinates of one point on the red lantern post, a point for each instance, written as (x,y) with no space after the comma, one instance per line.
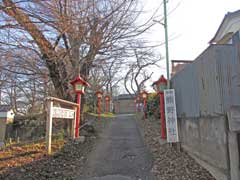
(160,85)
(107,99)
(79,85)
(99,97)
(144,96)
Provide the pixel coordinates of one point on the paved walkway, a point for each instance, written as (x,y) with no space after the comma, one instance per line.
(120,154)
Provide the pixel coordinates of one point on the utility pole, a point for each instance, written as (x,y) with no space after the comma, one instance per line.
(166,41)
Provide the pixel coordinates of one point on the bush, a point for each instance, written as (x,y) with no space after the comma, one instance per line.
(153,109)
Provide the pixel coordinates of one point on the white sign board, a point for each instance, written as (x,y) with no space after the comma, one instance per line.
(63,113)
(171,116)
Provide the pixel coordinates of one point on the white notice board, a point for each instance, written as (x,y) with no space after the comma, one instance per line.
(63,113)
(171,116)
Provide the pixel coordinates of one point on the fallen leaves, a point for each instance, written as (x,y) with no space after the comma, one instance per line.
(32,162)
(170,164)
(20,155)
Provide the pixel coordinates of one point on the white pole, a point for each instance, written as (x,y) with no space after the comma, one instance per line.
(49,126)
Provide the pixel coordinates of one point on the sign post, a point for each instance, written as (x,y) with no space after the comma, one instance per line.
(171,116)
(49,126)
(60,113)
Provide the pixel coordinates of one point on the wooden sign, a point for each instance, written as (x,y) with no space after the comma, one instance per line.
(171,116)
(61,113)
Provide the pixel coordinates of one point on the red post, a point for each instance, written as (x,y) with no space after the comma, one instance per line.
(99,107)
(162,113)
(107,99)
(78,114)
(159,86)
(145,108)
(107,106)
(144,96)
(79,85)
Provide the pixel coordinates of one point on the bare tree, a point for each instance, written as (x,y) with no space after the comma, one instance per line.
(24,84)
(138,72)
(70,36)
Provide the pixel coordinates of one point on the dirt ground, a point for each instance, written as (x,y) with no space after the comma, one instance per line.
(30,162)
(169,163)
(120,153)
(70,160)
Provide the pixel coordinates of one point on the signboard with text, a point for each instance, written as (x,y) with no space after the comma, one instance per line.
(63,113)
(171,116)
(59,113)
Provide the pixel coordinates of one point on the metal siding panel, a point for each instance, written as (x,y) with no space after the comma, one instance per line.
(235,99)
(216,89)
(205,87)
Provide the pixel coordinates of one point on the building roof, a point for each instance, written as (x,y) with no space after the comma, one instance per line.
(229,26)
(178,65)
(5,108)
(124,97)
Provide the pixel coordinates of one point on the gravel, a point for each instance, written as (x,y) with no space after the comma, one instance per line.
(169,163)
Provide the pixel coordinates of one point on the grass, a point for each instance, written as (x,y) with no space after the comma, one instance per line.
(105,115)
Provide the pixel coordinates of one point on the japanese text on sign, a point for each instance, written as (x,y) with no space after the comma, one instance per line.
(58,112)
(171,116)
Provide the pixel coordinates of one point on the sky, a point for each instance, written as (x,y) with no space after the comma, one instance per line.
(191,25)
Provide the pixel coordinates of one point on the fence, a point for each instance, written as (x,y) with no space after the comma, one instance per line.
(209,85)
(205,92)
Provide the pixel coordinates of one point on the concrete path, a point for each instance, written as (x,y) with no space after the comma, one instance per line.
(120,154)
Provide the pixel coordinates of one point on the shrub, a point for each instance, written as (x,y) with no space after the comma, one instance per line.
(153,109)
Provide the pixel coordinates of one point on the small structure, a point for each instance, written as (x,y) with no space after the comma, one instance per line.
(178,65)
(124,103)
(6,117)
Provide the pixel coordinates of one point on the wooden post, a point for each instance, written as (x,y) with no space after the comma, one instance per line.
(51,114)
(49,126)
(73,124)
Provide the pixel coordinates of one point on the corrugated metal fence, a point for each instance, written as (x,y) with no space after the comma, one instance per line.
(209,85)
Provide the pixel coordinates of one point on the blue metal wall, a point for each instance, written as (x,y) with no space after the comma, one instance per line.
(209,85)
